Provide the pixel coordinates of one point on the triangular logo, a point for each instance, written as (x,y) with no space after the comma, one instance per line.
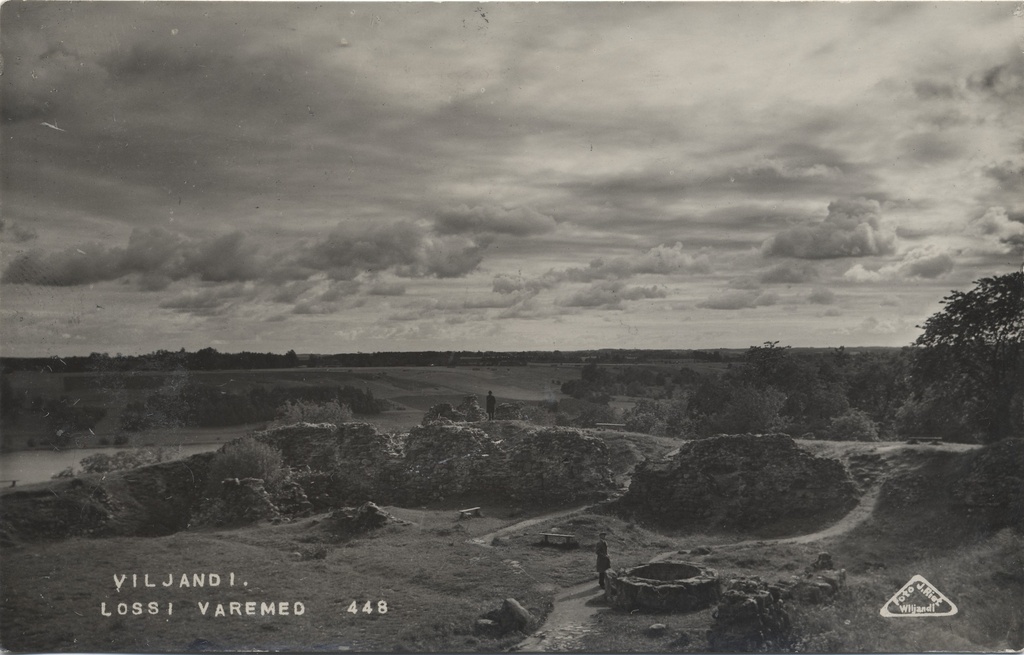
(918,598)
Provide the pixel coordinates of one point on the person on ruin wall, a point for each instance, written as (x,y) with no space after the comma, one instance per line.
(490,405)
(603,561)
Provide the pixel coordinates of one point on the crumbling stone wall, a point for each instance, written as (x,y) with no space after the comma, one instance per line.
(149,501)
(330,467)
(749,618)
(335,465)
(562,463)
(740,482)
(444,459)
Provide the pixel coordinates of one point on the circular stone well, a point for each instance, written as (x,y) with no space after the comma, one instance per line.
(663,587)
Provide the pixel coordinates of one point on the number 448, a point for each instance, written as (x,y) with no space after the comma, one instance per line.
(382,607)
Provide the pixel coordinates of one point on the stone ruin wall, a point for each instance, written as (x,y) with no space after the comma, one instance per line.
(739,482)
(331,467)
(442,459)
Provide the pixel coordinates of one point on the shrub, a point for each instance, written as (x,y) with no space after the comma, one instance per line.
(304,411)
(854,425)
(246,458)
(751,410)
(123,460)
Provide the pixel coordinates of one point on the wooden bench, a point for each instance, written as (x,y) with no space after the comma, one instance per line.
(14,483)
(567,539)
(934,441)
(601,426)
(467,513)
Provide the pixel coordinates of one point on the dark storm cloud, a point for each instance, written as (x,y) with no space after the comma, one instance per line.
(853,228)
(518,221)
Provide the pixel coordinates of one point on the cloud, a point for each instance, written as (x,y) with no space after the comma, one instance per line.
(660,260)
(402,247)
(923,262)
(853,228)
(76,266)
(15,232)
(821,296)
(519,221)
(1005,81)
(382,288)
(790,273)
(1005,232)
(740,300)
(159,256)
(210,301)
(610,295)
(1009,173)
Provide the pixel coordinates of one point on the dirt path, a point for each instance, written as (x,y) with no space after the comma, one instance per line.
(862,512)
(576,606)
(571,618)
(485,539)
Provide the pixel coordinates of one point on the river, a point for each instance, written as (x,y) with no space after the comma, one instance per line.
(30,466)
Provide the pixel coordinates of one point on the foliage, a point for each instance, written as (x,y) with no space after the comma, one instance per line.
(10,402)
(123,460)
(854,425)
(246,458)
(584,414)
(193,404)
(647,416)
(750,409)
(303,411)
(970,358)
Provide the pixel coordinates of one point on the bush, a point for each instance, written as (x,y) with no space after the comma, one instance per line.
(854,425)
(123,460)
(752,410)
(246,458)
(304,411)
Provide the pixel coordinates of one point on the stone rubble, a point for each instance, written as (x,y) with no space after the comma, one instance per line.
(739,482)
(749,618)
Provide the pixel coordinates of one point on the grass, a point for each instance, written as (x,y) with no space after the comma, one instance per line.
(436,582)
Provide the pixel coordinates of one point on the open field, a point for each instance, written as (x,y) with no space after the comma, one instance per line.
(436,574)
(411,390)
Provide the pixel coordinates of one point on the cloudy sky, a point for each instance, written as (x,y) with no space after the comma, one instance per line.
(336,177)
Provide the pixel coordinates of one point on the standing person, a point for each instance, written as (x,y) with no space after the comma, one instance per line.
(490,406)
(603,561)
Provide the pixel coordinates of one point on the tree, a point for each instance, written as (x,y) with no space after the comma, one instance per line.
(971,356)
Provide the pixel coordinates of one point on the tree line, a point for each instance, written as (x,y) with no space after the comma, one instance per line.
(962,380)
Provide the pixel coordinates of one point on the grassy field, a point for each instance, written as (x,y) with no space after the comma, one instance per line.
(435,580)
(411,391)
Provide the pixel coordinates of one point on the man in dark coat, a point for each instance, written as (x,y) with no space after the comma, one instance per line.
(603,561)
(490,405)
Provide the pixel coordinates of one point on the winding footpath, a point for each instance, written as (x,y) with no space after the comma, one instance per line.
(577,607)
